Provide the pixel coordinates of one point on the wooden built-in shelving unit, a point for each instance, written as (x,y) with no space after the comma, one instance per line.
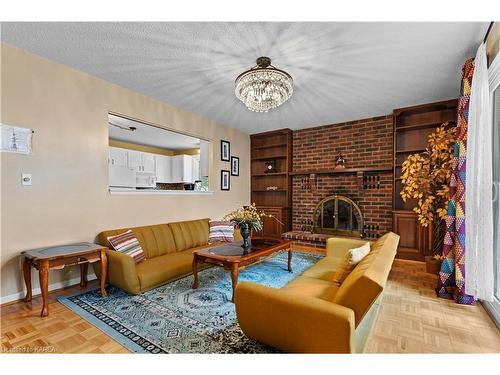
(272,146)
(412,126)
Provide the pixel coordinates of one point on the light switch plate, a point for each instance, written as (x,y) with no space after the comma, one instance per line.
(26,179)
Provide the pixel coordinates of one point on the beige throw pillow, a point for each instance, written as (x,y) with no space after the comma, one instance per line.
(353,257)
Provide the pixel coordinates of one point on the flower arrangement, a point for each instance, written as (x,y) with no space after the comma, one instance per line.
(426,178)
(246,216)
(246,219)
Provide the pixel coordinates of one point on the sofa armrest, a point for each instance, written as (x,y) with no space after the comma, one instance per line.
(339,246)
(284,321)
(122,272)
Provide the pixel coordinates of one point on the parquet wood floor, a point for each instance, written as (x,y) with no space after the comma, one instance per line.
(410,320)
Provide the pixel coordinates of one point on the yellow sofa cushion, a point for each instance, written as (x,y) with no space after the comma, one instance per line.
(291,323)
(155,240)
(304,286)
(349,261)
(367,280)
(156,271)
(189,234)
(324,269)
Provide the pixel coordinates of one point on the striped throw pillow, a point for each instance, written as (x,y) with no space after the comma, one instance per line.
(127,243)
(221,231)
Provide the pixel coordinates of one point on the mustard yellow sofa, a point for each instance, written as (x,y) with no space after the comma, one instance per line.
(312,314)
(168,249)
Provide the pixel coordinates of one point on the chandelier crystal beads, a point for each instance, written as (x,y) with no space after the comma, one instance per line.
(263,87)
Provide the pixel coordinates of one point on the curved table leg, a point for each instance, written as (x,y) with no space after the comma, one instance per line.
(104,273)
(196,282)
(43,270)
(234,278)
(27,263)
(83,274)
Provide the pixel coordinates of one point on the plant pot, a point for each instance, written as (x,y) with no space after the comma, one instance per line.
(432,265)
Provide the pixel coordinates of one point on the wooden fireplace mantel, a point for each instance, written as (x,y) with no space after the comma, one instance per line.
(345,170)
(359,172)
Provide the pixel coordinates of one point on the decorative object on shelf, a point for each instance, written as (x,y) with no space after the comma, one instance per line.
(263,87)
(270,166)
(340,162)
(272,188)
(426,178)
(224,150)
(235,166)
(247,219)
(224,180)
(15,139)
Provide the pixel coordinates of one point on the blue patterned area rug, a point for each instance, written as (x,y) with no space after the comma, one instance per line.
(174,318)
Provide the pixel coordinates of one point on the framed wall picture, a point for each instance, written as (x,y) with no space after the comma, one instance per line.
(235,166)
(224,180)
(224,150)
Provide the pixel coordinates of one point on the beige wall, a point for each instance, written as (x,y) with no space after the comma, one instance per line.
(69,200)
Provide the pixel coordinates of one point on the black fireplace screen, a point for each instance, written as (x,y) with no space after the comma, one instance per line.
(338,214)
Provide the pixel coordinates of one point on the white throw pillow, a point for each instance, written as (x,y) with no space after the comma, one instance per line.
(352,257)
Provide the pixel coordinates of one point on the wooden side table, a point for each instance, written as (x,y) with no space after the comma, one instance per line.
(58,257)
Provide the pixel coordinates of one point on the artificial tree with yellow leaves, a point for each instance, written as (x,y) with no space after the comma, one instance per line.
(426,178)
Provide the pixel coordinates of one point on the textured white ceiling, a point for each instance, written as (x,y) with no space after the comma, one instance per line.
(341,71)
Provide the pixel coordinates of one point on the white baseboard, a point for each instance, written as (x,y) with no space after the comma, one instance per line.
(37,291)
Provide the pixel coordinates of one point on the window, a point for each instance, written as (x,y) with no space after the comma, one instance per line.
(144,158)
(494,71)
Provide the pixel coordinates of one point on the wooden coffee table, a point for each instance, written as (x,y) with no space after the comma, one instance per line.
(233,257)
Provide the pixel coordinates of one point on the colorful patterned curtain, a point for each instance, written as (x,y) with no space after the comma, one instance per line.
(451,283)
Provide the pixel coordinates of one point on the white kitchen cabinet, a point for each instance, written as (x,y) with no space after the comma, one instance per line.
(163,169)
(131,168)
(148,162)
(141,161)
(182,169)
(135,160)
(118,156)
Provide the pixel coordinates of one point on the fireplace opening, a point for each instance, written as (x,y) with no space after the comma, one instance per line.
(337,214)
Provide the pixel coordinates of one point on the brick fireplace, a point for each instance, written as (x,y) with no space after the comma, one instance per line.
(367,146)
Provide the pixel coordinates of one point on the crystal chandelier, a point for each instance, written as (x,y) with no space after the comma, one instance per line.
(263,87)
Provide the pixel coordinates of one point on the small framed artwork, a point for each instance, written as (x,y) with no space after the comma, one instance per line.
(224,150)
(235,166)
(224,180)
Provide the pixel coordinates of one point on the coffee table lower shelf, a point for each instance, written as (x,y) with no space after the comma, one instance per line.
(233,257)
